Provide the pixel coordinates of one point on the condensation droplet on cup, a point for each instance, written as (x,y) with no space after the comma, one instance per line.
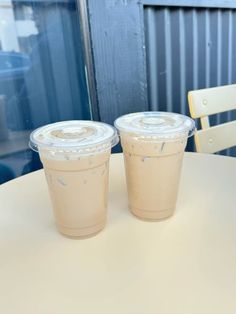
(61,181)
(162,147)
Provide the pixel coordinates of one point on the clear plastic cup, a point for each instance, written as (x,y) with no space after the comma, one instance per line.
(75,157)
(153,145)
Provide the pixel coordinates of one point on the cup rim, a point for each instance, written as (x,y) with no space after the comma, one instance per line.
(107,137)
(130,123)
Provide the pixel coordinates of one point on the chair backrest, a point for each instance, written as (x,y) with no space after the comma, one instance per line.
(209,101)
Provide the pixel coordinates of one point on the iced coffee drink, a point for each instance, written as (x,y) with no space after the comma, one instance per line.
(75,157)
(153,146)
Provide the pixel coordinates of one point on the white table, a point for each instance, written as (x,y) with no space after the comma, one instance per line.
(184,265)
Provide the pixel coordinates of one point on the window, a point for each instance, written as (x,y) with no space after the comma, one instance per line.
(42,76)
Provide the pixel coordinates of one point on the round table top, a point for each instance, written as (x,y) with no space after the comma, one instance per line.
(186,264)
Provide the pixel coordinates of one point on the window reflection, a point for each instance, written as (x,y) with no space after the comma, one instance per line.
(42,78)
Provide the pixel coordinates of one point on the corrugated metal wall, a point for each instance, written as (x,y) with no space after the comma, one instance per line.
(189,48)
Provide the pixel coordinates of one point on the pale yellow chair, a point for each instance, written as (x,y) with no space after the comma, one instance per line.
(209,101)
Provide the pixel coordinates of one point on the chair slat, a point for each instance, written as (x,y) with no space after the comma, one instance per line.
(205,123)
(216,138)
(205,102)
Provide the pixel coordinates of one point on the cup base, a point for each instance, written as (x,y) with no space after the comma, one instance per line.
(152,215)
(81,233)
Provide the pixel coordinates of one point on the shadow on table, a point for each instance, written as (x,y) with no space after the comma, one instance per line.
(33,165)
(6,173)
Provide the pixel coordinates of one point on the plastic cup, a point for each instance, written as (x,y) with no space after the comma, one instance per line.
(75,157)
(153,145)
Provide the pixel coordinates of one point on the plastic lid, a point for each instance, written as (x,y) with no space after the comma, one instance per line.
(156,124)
(74,136)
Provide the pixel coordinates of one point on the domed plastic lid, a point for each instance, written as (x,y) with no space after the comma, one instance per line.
(156,124)
(75,136)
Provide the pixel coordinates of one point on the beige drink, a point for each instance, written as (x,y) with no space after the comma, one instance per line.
(76,165)
(153,145)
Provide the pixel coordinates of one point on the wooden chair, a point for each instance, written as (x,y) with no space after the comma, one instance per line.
(209,101)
